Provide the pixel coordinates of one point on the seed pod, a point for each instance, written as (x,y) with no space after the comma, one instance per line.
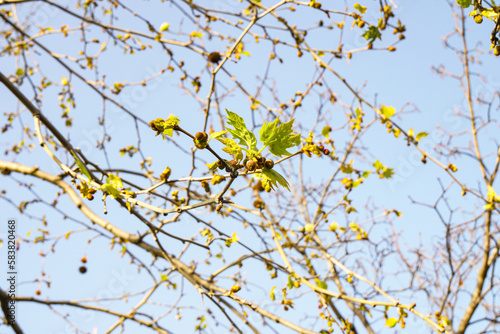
(251,165)
(269,164)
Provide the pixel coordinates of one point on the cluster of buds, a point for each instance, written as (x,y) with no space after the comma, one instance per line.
(324,150)
(166,174)
(258,163)
(87,192)
(157,125)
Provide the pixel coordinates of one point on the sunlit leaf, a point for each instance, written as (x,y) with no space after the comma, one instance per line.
(279,138)
(240,131)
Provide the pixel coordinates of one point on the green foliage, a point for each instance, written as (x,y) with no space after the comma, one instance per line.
(321,284)
(372,34)
(82,167)
(216,135)
(272,177)
(279,138)
(112,186)
(387,112)
(231,148)
(240,131)
(464,3)
(361,9)
(391,322)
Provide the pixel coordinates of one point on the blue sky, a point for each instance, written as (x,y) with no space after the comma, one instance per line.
(391,78)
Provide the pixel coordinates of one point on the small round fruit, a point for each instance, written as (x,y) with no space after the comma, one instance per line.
(326,151)
(478,18)
(201,136)
(361,24)
(496,50)
(251,165)
(38,292)
(84,259)
(90,197)
(321,147)
(269,164)
(82,269)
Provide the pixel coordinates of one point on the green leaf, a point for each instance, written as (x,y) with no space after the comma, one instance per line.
(111,190)
(321,284)
(163,277)
(391,322)
(491,193)
(371,34)
(273,177)
(231,148)
(378,165)
(169,125)
(464,3)
(361,9)
(196,34)
(347,169)
(273,297)
(82,167)
(308,227)
(326,131)
(279,138)
(113,183)
(216,135)
(240,131)
(490,13)
(421,135)
(388,173)
(164,26)
(19,72)
(387,112)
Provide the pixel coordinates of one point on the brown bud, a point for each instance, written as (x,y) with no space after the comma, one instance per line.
(201,136)
(269,164)
(214,57)
(251,165)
